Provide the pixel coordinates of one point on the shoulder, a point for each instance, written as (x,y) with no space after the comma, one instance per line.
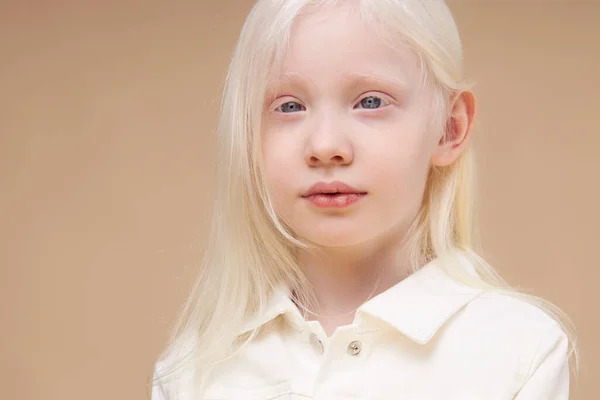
(511,327)
(505,325)
(170,377)
(513,314)
(526,335)
(509,335)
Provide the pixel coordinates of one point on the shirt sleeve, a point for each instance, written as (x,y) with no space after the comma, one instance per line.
(157,392)
(549,377)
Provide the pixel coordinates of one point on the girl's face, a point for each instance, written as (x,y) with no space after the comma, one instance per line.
(348,109)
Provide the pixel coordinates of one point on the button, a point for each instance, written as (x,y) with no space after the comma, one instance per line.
(316,343)
(354,348)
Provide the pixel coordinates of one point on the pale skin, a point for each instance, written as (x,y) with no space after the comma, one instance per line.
(325,123)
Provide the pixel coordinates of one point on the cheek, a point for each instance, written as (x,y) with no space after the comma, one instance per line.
(400,168)
(279,169)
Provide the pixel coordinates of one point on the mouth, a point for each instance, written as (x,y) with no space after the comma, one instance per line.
(333,195)
(332,189)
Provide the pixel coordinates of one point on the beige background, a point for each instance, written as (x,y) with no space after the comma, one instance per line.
(106,117)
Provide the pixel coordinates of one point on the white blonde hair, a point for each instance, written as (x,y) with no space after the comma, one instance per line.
(250,251)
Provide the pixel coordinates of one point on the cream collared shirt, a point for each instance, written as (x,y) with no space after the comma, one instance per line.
(425,338)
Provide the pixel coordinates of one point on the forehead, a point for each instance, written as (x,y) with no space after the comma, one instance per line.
(330,42)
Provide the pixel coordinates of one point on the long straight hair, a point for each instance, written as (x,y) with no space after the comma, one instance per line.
(251,252)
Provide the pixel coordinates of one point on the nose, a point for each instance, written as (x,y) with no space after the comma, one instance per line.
(329,145)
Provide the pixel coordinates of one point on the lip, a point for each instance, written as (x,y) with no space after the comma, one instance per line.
(330,188)
(333,195)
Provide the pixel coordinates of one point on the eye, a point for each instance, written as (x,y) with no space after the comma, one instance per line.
(290,107)
(372,102)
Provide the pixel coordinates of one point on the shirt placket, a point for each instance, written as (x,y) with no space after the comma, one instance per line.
(344,356)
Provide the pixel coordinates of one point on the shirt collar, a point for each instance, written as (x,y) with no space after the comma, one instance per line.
(418,306)
(280,303)
(422,303)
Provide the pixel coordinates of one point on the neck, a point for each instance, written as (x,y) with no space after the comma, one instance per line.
(343,278)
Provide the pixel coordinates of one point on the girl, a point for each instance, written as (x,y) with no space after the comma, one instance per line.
(341,262)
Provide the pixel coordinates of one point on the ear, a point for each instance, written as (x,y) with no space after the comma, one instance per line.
(458,130)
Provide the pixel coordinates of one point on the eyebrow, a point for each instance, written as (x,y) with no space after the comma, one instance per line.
(349,80)
(374,78)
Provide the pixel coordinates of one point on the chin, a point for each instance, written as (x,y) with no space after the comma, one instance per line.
(334,237)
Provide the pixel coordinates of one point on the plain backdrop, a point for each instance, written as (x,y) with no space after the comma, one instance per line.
(107,113)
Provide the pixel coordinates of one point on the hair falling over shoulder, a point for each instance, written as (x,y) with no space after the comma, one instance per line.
(251,252)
